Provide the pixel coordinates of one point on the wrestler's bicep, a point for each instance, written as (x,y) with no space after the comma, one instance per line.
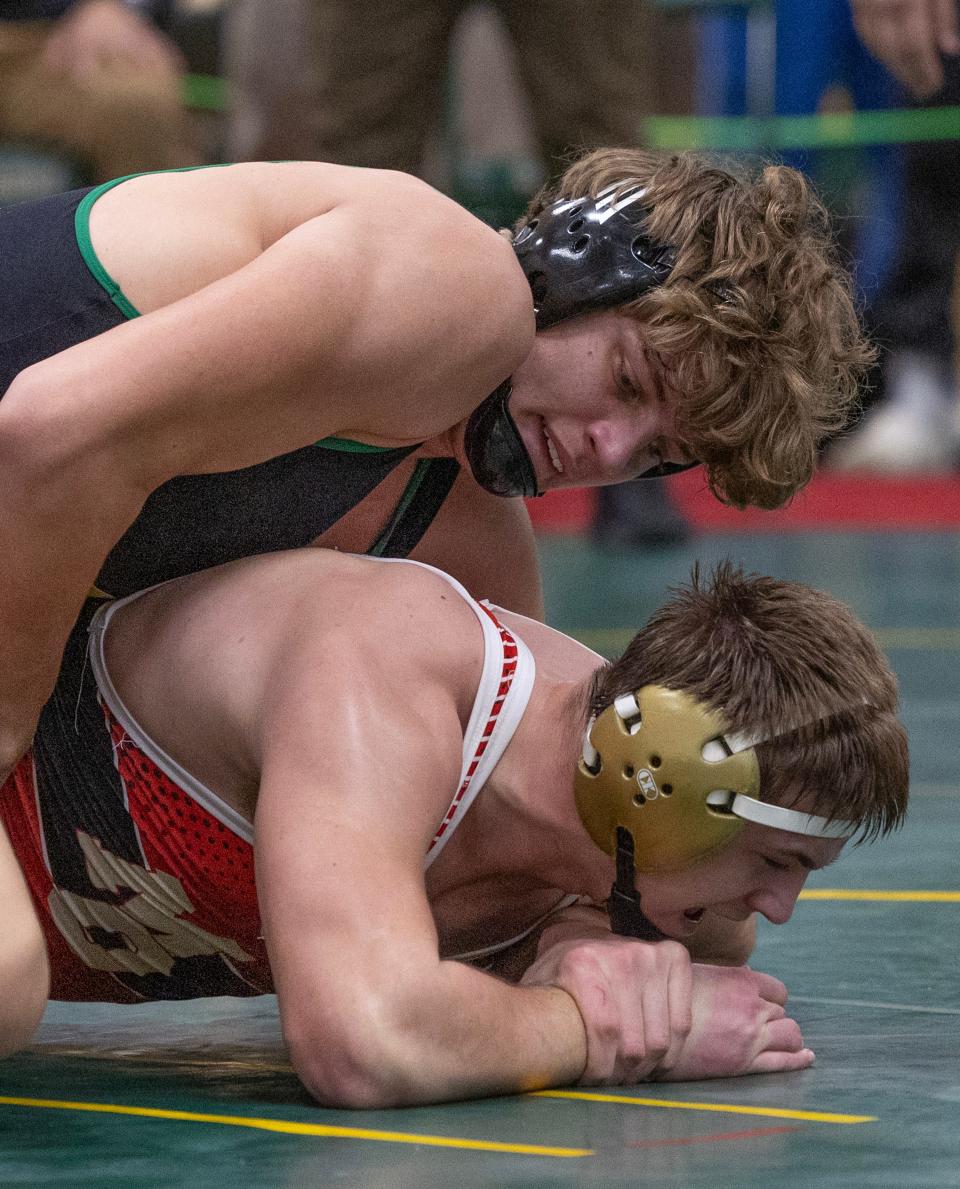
(356,774)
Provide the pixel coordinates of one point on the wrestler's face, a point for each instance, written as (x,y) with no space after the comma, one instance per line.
(761,871)
(592,404)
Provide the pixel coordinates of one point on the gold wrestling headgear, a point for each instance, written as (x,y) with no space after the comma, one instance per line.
(660,764)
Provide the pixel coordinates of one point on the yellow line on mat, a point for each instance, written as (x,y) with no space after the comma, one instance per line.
(918,638)
(863,894)
(724,1108)
(290,1128)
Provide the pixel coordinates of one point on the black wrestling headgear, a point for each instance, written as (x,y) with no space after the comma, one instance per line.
(585,254)
(579,254)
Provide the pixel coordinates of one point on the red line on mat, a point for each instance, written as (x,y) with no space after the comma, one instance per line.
(831,501)
(753,1133)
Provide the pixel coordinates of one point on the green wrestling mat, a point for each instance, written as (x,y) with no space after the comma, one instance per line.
(200,1095)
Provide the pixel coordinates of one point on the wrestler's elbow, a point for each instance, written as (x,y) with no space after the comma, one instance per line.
(36,448)
(18,1033)
(352,1071)
(56,462)
(337,1080)
(59,426)
(27,438)
(361,1057)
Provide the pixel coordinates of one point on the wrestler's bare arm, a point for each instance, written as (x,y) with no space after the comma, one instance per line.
(24,969)
(355,775)
(390,316)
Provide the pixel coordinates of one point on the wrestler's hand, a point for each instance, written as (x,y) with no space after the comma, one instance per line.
(909,36)
(739,1026)
(633,996)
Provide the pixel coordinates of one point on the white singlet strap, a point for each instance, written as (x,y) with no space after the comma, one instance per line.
(110,695)
(502,695)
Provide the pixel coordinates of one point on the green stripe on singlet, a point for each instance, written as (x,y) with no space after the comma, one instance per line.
(349,446)
(129,310)
(87,251)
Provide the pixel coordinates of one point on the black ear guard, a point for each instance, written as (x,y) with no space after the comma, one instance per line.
(585,254)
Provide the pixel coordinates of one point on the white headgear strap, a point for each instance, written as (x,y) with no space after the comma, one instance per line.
(777,817)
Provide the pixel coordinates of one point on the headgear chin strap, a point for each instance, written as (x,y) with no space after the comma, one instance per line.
(495,451)
(660,765)
(627,918)
(578,255)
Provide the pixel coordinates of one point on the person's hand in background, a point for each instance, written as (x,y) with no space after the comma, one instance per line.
(910,37)
(103,35)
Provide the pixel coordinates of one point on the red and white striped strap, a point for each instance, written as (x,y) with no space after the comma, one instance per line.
(502,695)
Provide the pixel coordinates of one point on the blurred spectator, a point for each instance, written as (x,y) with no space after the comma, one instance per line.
(789,58)
(367,84)
(370,80)
(914,425)
(96,80)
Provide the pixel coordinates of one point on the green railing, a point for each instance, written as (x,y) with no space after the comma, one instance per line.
(833,130)
(205,92)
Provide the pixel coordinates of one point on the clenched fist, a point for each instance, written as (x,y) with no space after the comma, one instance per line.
(634,997)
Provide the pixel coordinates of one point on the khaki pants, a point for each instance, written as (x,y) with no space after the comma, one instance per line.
(113,123)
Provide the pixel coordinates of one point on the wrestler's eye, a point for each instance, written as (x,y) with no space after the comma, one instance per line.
(654,367)
(774,864)
(627,385)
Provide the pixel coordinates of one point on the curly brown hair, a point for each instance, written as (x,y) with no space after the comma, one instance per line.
(756,326)
(792,666)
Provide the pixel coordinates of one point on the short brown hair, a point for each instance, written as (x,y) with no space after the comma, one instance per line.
(756,325)
(793,666)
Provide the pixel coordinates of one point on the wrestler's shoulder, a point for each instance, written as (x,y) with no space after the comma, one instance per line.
(392,217)
(419,215)
(326,578)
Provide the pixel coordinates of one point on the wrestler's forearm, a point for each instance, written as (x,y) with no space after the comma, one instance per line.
(463,1034)
(59,516)
(488,1037)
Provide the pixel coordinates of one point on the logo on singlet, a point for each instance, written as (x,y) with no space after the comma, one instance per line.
(140,934)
